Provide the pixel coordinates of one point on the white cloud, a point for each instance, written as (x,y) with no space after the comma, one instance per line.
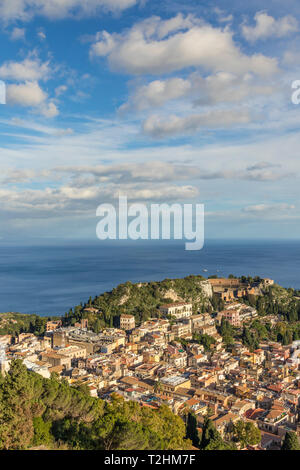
(26,94)
(28,69)
(174,125)
(267,208)
(41,35)
(17,33)
(266,26)
(155,46)
(222,16)
(68,199)
(158,92)
(30,94)
(49,110)
(60,90)
(25,9)
(222,87)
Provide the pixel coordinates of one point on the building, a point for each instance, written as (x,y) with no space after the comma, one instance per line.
(53,325)
(127,322)
(232,316)
(55,359)
(172,383)
(181,329)
(177,310)
(225,283)
(82,324)
(73,352)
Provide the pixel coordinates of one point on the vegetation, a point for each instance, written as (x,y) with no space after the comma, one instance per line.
(191,429)
(141,300)
(16,323)
(226,330)
(211,438)
(290,442)
(205,340)
(246,433)
(36,411)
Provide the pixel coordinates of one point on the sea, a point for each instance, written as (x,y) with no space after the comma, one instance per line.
(50,277)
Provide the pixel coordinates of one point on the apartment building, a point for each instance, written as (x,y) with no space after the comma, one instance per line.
(127,322)
(172,383)
(178,310)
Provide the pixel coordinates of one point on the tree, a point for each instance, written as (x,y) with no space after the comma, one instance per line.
(191,429)
(16,391)
(42,434)
(39,411)
(290,442)
(246,433)
(211,438)
(158,387)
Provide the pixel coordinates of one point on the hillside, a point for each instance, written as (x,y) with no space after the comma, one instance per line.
(47,412)
(12,323)
(143,299)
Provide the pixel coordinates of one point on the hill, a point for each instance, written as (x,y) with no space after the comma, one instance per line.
(143,299)
(35,412)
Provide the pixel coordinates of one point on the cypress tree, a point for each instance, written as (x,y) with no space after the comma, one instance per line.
(291,441)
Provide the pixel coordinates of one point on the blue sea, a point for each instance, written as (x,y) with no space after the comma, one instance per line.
(50,278)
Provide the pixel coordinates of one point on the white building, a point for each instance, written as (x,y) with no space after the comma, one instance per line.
(177,310)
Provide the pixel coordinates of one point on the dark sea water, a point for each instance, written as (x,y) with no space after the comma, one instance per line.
(49,279)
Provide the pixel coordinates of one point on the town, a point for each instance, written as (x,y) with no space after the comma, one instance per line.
(160,362)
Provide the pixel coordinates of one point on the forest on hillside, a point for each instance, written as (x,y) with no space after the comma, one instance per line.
(35,411)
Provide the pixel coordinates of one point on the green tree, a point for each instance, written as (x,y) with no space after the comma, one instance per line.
(290,442)
(42,432)
(211,438)
(246,433)
(191,429)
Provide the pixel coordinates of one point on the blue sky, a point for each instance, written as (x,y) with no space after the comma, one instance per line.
(161,101)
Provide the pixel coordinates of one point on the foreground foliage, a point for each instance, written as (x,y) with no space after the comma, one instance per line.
(35,411)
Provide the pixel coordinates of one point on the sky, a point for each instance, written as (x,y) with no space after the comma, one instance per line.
(164,102)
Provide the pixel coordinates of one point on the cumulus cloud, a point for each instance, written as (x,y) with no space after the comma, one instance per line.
(157,92)
(71,200)
(156,46)
(77,189)
(129,173)
(222,87)
(156,126)
(28,69)
(49,110)
(266,26)
(24,175)
(25,94)
(30,94)
(25,9)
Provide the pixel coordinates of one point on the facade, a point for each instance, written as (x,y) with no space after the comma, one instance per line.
(171,384)
(232,316)
(127,322)
(177,310)
(53,325)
